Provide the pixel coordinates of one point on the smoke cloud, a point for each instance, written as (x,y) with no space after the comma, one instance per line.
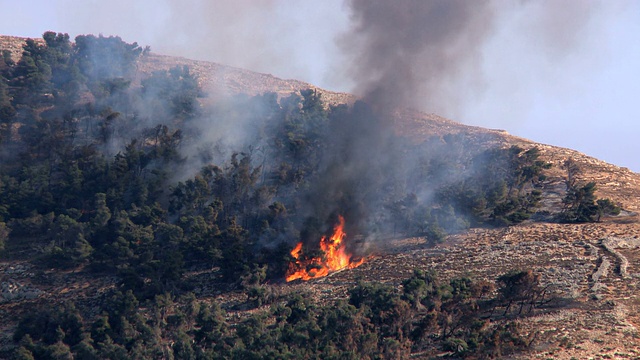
(410,53)
(426,55)
(403,53)
(493,63)
(432,55)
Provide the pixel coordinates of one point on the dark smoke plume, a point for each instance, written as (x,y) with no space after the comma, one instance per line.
(403,52)
(400,51)
(414,53)
(433,55)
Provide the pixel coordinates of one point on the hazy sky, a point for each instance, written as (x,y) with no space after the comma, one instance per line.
(561,72)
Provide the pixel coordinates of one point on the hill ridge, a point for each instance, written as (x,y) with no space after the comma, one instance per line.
(219,80)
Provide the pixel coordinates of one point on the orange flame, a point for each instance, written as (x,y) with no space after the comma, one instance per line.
(335,257)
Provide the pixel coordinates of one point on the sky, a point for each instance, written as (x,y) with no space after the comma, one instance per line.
(560,72)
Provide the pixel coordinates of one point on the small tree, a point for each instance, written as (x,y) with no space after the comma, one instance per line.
(580,202)
(573,171)
(522,288)
(606,207)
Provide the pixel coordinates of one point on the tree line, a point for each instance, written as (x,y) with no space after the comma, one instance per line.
(425,315)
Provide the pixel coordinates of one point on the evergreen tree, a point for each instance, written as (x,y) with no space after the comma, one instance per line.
(580,201)
(7,110)
(4,235)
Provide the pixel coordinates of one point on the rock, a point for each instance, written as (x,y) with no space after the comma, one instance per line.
(13,291)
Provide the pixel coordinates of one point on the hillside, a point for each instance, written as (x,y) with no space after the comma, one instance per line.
(589,271)
(613,181)
(602,313)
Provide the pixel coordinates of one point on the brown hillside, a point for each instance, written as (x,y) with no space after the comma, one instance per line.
(592,269)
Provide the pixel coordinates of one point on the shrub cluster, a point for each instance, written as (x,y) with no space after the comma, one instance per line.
(426,316)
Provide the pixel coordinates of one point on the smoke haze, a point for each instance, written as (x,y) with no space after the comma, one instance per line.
(265,35)
(538,69)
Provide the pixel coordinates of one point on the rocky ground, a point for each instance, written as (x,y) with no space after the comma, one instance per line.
(592,272)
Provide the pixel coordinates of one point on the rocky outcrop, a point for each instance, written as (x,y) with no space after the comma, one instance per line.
(612,243)
(13,291)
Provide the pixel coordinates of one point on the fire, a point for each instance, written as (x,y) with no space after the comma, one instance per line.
(336,257)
